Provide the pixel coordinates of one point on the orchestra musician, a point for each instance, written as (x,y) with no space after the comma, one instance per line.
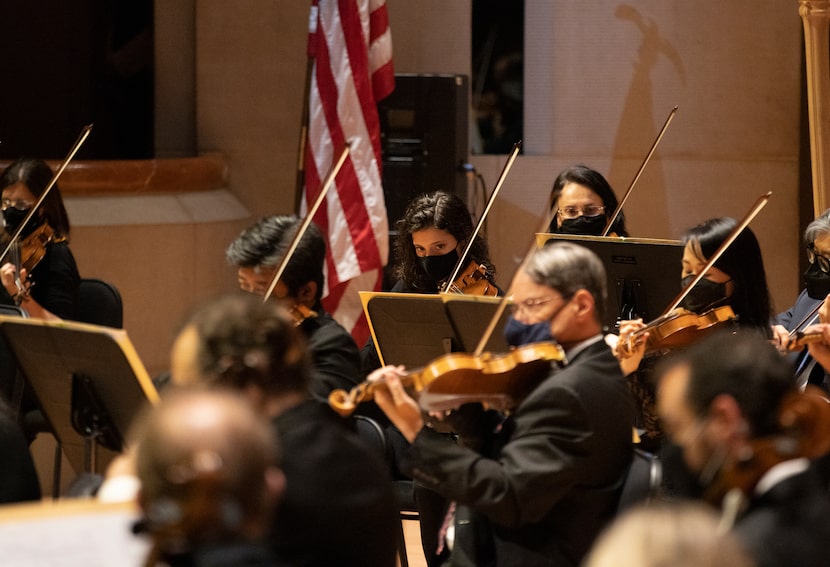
(256,253)
(816,289)
(737,280)
(585,202)
(538,486)
(432,235)
(208,468)
(50,288)
(338,507)
(730,404)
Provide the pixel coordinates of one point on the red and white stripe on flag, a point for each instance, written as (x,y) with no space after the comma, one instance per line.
(351,47)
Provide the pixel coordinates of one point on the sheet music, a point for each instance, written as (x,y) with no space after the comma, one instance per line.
(98,535)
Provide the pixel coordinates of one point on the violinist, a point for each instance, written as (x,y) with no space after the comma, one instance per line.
(49,289)
(585,202)
(729,403)
(801,314)
(256,253)
(431,236)
(538,486)
(737,280)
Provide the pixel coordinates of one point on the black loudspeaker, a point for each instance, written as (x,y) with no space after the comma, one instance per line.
(424,140)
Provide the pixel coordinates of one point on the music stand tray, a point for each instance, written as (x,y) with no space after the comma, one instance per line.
(414,328)
(88,380)
(643,274)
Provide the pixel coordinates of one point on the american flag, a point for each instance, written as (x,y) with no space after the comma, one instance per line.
(351,48)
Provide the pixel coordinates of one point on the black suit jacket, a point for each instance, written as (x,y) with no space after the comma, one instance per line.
(789,524)
(803,305)
(334,355)
(553,478)
(338,507)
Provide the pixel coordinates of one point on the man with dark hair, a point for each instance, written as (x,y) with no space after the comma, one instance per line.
(746,431)
(207,464)
(338,507)
(540,484)
(257,253)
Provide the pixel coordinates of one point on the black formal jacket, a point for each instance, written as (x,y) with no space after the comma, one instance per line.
(552,481)
(338,507)
(802,307)
(334,355)
(789,524)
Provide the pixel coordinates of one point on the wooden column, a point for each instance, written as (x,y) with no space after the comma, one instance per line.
(816,17)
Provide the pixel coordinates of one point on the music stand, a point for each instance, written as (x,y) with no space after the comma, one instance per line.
(643,274)
(87,380)
(414,328)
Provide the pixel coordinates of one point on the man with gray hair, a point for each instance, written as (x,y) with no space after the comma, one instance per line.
(542,482)
(802,313)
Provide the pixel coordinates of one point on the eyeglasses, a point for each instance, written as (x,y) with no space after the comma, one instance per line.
(19,204)
(529,306)
(574,212)
(813,257)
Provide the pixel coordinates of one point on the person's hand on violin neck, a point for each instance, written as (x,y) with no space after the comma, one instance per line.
(401,409)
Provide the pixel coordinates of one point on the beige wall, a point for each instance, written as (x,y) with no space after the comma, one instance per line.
(601,75)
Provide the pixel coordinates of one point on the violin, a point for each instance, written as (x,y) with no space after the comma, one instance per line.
(32,249)
(804,418)
(501,381)
(800,339)
(300,313)
(680,328)
(474,280)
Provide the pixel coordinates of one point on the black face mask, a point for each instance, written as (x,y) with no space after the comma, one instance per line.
(705,295)
(582,225)
(439,268)
(816,282)
(13,217)
(518,334)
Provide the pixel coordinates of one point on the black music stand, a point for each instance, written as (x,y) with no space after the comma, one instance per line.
(413,329)
(643,273)
(87,380)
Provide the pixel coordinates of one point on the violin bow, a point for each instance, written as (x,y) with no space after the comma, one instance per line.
(461,261)
(756,208)
(639,172)
(75,147)
(809,317)
(491,326)
(295,241)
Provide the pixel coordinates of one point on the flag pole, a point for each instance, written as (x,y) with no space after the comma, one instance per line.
(299,183)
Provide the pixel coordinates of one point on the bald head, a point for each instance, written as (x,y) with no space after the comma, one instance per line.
(207,466)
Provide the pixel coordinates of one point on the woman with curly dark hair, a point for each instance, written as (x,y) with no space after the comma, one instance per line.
(432,235)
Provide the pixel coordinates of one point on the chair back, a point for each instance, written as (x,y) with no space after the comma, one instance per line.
(642,482)
(99,303)
(373,436)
